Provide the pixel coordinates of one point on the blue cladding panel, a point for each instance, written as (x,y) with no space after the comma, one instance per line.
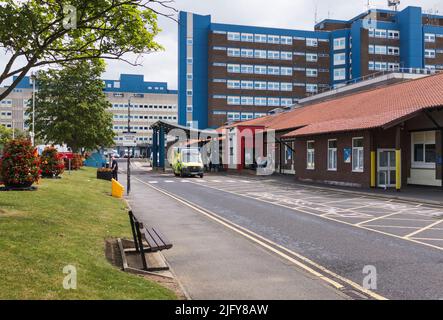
(182,68)
(411,37)
(344,33)
(24,83)
(356,49)
(135,83)
(200,67)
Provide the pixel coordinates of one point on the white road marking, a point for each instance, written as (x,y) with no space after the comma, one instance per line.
(423,229)
(266,243)
(152,182)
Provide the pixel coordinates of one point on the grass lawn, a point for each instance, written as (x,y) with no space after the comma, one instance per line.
(64,223)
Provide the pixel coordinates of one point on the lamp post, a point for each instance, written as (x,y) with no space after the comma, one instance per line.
(128,176)
(34,78)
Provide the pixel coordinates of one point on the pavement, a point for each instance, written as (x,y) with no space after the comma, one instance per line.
(212,261)
(340,233)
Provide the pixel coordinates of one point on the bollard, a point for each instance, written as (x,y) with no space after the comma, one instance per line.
(117,189)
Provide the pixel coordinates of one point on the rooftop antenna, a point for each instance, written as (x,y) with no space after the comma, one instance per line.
(316,12)
(394,4)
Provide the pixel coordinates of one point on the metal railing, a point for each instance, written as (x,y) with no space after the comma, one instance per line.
(381,73)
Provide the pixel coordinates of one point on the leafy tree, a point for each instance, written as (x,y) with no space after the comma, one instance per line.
(5,135)
(42,32)
(71,107)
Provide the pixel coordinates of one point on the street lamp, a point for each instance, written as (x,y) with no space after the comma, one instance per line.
(129,133)
(32,133)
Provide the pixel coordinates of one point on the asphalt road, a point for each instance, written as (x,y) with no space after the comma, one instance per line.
(406,268)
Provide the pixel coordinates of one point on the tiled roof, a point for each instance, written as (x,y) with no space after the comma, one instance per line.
(364,110)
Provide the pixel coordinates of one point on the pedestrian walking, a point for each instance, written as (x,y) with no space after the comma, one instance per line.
(114,167)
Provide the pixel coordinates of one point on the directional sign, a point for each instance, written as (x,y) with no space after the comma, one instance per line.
(129,141)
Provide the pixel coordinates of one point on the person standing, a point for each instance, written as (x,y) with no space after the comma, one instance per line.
(114,167)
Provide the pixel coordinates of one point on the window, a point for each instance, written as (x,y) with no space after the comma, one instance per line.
(260,85)
(430,53)
(311,72)
(286,40)
(394,51)
(189,60)
(233,100)
(260,69)
(260,101)
(233,52)
(247,85)
(189,108)
(247,101)
(189,76)
(285,71)
(286,86)
(379,33)
(380,50)
(310,157)
(393,34)
(234,68)
(310,42)
(357,154)
(339,43)
(247,69)
(380,66)
(311,88)
(429,37)
(260,38)
(233,116)
(393,66)
(233,36)
(274,55)
(371,32)
(247,115)
(274,86)
(371,49)
(332,155)
(274,71)
(430,67)
(273,39)
(285,55)
(286,102)
(311,57)
(260,54)
(340,74)
(189,41)
(423,149)
(233,84)
(274,102)
(339,59)
(247,37)
(189,93)
(247,53)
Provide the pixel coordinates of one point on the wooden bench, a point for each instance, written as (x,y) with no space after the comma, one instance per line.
(147,239)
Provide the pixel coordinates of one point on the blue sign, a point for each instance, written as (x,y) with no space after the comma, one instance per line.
(347,152)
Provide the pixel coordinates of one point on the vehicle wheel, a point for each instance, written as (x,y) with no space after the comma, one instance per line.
(201,175)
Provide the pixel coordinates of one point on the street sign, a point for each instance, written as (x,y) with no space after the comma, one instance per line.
(129,141)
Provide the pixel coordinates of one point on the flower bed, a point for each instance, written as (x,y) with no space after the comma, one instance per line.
(104,174)
(51,163)
(20,164)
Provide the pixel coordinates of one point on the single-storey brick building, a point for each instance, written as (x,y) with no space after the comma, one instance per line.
(384,137)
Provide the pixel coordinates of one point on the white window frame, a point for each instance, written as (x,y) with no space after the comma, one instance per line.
(393,51)
(233,84)
(286,55)
(286,71)
(429,137)
(338,61)
(260,69)
(339,74)
(260,85)
(233,52)
(430,53)
(429,37)
(260,38)
(247,53)
(311,42)
(310,155)
(312,73)
(393,34)
(311,57)
(247,37)
(260,54)
(360,153)
(233,36)
(339,43)
(334,152)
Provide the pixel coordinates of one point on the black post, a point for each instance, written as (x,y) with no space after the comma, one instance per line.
(441,156)
(128,175)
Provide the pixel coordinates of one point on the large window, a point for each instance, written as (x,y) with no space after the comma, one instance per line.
(339,43)
(260,54)
(247,53)
(233,52)
(430,53)
(429,37)
(311,72)
(311,42)
(310,156)
(339,59)
(423,149)
(332,155)
(311,57)
(339,74)
(233,36)
(357,154)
